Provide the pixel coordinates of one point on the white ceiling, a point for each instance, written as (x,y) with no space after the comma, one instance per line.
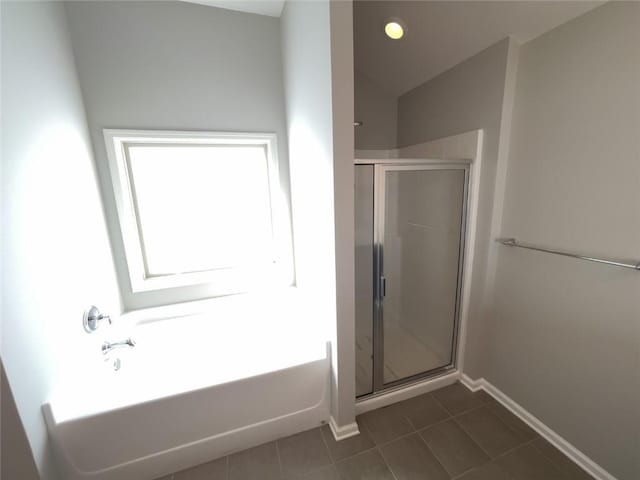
(272,8)
(441,34)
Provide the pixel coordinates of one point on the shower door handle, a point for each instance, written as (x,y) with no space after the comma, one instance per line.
(383,287)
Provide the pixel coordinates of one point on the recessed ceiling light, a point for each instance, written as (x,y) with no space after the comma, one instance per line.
(394,28)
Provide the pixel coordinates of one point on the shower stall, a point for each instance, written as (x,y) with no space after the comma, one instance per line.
(410,218)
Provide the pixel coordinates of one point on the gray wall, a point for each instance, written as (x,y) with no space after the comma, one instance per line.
(180,66)
(55,252)
(378,110)
(469,96)
(464,98)
(565,337)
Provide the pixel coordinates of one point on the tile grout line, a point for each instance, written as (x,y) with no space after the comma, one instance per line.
(504,454)
(410,422)
(359,453)
(528,442)
(451,416)
(454,418)
(326,445)
(315,469)
(384,460)
(364,425)
(470,435)
(377,447)
(482,404)
(473,440)
(441,404)
(438,402)
(552,461)
(431,425)
(449,474)
(279,459)
(416,431)
(388,442)
(434,455)
(457,477)
(493,460)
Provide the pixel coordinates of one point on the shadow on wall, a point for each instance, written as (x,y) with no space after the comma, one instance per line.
(16,460)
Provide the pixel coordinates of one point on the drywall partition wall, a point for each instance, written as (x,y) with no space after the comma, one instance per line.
(342,95)
(56,257)
(307,65)
(378,112)
(469,96)
(565,335)
(176,66)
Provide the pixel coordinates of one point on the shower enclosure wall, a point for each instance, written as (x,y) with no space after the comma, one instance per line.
(410,228)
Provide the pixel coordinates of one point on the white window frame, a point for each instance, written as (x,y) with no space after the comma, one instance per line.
(225,280)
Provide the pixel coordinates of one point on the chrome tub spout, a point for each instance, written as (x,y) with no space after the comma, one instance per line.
(108,346)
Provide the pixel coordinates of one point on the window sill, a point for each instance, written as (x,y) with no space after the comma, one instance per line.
(271,302)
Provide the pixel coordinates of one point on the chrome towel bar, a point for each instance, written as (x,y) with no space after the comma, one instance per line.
(512,242)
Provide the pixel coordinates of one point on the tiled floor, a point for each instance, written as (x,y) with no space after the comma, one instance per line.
(451,433)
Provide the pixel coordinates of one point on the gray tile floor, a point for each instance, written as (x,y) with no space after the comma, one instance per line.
(451,433)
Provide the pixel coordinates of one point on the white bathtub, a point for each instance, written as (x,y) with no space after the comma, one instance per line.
(193,389)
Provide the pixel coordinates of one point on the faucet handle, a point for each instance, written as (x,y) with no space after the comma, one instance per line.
(92,318)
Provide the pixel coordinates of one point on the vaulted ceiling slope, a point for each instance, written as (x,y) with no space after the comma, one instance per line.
(441,34)
(272,8)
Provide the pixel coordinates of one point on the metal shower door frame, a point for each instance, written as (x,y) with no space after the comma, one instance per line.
(379,204)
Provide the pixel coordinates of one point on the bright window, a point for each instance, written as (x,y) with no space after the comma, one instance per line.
(198,208)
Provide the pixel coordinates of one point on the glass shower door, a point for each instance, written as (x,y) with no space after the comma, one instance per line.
(364,269)
(420,229)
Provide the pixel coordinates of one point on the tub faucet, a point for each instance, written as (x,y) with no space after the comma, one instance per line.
(108,346)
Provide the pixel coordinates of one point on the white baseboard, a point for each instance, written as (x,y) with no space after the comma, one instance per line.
(406,392)
(345,431)
(471,384)
(579,458)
